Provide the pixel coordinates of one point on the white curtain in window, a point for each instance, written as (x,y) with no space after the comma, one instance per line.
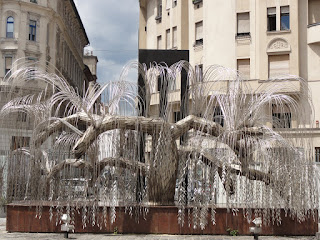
(244,67)
(174,37)
(278,65)
(168,39)
(243,22)
(199,30)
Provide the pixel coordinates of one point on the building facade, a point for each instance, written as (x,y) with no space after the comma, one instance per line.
(262,39)
(41,33)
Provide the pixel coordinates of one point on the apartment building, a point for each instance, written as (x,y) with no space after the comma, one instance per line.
(260,38)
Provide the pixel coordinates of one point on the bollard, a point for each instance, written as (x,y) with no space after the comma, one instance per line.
(257,228)
(66,226)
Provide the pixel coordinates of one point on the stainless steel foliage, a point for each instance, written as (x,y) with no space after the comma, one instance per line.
(90,151)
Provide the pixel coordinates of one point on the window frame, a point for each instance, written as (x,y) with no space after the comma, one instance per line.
(175,37)
(281,120)
(317,154)
(168,39)
(243,33)
(7,26)
(282,15)
(159,41)
(198,40)
(273,16)
(7,70)
(32,30)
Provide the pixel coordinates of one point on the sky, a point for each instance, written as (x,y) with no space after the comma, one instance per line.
(112,29)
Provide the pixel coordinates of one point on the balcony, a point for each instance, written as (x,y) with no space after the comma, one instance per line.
(313,33)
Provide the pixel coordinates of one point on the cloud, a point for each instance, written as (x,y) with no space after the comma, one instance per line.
(112,29)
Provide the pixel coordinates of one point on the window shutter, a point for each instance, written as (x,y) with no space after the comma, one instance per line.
(284,9)
(272,11)
(199,30)
(243,22)
(244,67)
(278,65)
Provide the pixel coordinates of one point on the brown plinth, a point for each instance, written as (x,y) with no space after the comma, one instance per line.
(159,220)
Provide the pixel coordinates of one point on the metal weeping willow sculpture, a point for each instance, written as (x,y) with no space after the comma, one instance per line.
(96,151)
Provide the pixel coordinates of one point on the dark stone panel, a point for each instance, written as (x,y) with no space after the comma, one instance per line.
(159,220)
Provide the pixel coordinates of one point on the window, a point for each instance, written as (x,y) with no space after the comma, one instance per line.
(281,117)
(243,66)
(317,154)
(159,42)
(10,23)
(278,65)
(168,39)
(33,1)
(199,33)
(19,142)
(168,5)
(199,72)
(174,37)
(32,67)
(285,18)
(174,3)
(272,22)
(32,30)
(243,24)
(22,117)
(8,65)
(176,116)
(159,10)
(218,116)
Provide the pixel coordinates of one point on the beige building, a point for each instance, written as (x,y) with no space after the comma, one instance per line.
(48,33)
(260,38)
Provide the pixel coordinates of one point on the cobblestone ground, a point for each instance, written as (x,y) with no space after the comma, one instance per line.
(48,236)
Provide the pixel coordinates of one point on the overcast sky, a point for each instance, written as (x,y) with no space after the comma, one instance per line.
(112,29)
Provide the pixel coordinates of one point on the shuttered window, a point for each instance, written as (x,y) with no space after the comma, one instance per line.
(243,66)
(168,39)
(278,65)
(243,23)
(199,33)
(174,37)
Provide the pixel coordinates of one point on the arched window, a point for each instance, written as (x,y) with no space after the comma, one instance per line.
(10,22)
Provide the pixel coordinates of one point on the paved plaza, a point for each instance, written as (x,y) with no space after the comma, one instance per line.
(4,235)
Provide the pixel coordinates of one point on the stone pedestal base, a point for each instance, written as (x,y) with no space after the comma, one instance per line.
(159,220)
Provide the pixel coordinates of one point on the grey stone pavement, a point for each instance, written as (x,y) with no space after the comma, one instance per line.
(4,235)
